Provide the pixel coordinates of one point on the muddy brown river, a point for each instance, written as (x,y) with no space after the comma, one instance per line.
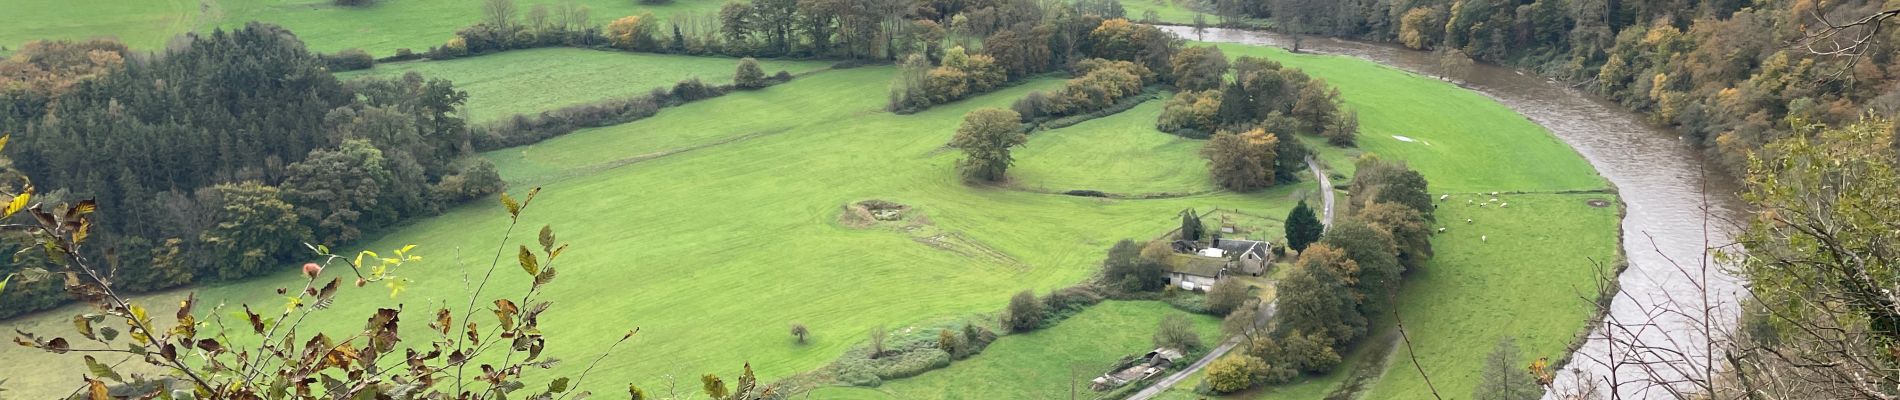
(1672,213)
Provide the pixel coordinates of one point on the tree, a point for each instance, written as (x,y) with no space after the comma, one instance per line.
(499,14)
(1234,372)
(1454,65)
(1243,322)
(800,331)
(635,32)
(985,137)
(1410,231)
(1226,296)
(1126,269)
(1175,332)
(1377,258)
(1242,162)
(1199,68)
(1503,377)
(1376,180)
(749,75)
(1024,313)
(1315,296)
(1191,225)
(878,335)
(255,230)
(337,192)
(1303,227)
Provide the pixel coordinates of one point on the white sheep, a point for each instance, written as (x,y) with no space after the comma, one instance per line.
(1467,221)
(1484,238)
(1494,193)
(1504,205)
(1443,197)
(1468,202)
(1441,230)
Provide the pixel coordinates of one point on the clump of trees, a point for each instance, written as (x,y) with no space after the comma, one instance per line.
(1244,161)
(1263,94)
(1338,282)
(1128,270)
(960,75)
(221,176)
(1100,84)
(985,138)
(349,60)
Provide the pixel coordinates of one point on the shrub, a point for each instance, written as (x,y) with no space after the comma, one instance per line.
(1196,111)
(913,363)
(1176,332)
(692,89)
(800,331)
(952,343)
(749,76)
(1024,313)
(1234,372)
(1225,296)
(349,60)
(1069,299)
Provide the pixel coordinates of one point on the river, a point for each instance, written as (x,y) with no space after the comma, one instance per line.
(1666,230)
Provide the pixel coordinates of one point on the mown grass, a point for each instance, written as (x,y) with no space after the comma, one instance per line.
(530,81)
(1121,153)
(1177,12)
(381,28)
(1041,364)
(413,24)
(142,24)
(713,251)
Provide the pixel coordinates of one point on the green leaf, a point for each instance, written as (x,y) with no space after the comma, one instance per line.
(558,386)
(108,333)
(3,283)
(101,370)
(528,263)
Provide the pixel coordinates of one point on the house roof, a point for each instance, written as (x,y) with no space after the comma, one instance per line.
(1197,265)
(1242,246)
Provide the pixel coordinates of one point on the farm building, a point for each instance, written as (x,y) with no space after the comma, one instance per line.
(1249,256)
(1193,271)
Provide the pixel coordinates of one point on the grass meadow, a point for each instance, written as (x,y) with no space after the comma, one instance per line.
(142,24)
(530,81)
(380,28)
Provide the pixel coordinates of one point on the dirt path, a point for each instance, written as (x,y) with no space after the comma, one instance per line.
(1325,191)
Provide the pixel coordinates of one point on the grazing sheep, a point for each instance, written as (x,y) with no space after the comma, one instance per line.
(1481,205)
(1504,205)
(1494,193)
(1492,200)
(1467,220)
(1441,230)
(1468,202)
(1443,197)
(1484,238)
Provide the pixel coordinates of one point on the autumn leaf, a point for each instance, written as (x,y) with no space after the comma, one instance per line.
(528,262)
(19,201)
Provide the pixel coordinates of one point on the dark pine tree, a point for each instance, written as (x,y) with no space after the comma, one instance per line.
(1302,227)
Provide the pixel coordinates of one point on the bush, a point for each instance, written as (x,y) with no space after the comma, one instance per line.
(913,363)
(1024,313)
(749,76)
(1225,296)
(952,343)
(1071,299)
(354,3)
(1234,372)
(349,60)
(1176,332)
(1127,270)
(692,89)
(1197,112)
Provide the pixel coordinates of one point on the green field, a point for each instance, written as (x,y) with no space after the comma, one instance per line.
(1121,153)
(381,28)
(530,81)
(713,250)
(1040,364)
(143,24)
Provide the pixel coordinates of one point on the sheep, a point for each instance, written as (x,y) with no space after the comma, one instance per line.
(1492,200)
(1443,197)
(1484,238)
(1468,202)
(1467,221)
(1504,205)
(1441,230)
(1494,193)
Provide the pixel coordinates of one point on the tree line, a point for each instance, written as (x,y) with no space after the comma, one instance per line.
(219,157)
(1730,74)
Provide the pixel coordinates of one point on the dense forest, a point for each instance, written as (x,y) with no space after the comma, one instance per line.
(219,157)
(1733,75)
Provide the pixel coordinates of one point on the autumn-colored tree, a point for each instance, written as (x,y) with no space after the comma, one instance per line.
(749,75)
(1197,111)
(1234,372)
(635,32)
(985,138)
(1242,162)
(1316,297)
(1199,68)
